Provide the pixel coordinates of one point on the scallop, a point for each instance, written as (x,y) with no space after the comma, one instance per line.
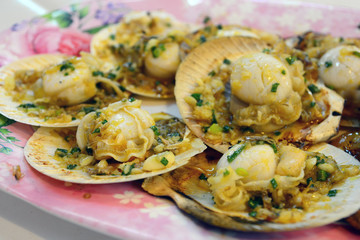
(35,87)
(116,144)
(149,70)
(238,199)
(261,94)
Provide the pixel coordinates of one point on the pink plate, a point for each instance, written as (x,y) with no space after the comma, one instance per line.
(125,210)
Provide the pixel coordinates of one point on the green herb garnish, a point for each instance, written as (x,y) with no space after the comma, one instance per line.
(202,177)
(75,150)
(328,64)
(322,175)
(290,60)
(313,88)
(98,73)
(227,61)
(356,53)
(104,121)
(155,130)
(97,130)
(273,183)
(236,153)
(312,104)
(254,202)
(283,72)
(274,87)
(164,161)
(71,166)
(332,193)
(61,152)
(226,172)
(128,169)
(197,96)
(67,65)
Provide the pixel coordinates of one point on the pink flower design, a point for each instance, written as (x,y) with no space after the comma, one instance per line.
(53,39)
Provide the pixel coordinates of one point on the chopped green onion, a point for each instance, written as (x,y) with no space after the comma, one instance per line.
(341,39)
(212,73)
(274,87)
(61,152)
(66,74)
(88,109)
(332,193)
(27,105)
(97,130)
(112,36)
(98,114)
(313,88)
(252,214)
(89,151)
(206,19)
(215,128)
(322,175)
(227,61)
(155,130)
(242,172)
(236,153)
(273,183)
(197,96)
(75,150)
(202,39)
(283,72)
(122,88)
(127,169)
(219,27)
(356,53)
(290,60)
(309,180)
(328,64)
(71,166)
(132,99)
(274,147)
(202,177)
(254,202)
(312,104)
(277,133)
(226,172)
(111,76)
(266,50)
(67,65)
(164,161)
(104,121)
(213,120)
(98,73)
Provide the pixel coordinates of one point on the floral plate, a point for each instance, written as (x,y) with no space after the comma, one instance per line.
(124,210)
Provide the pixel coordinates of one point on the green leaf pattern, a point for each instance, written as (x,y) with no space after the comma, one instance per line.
(4,136)
(64,19)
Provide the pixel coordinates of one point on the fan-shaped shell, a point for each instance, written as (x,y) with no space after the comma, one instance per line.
(202,207)
(148,85)
(8,106)
(204,58)
(40,148)
(199,63)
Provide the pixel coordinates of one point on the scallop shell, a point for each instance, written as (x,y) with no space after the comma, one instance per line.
(199,63)
(200,203)
(99,48)
(202,60)
(40,148)
(8,107)
(228,31)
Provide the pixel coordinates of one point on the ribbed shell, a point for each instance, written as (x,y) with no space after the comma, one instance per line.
(199,63)
(8,107)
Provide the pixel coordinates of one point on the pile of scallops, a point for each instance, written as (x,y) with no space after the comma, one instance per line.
(251,150)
